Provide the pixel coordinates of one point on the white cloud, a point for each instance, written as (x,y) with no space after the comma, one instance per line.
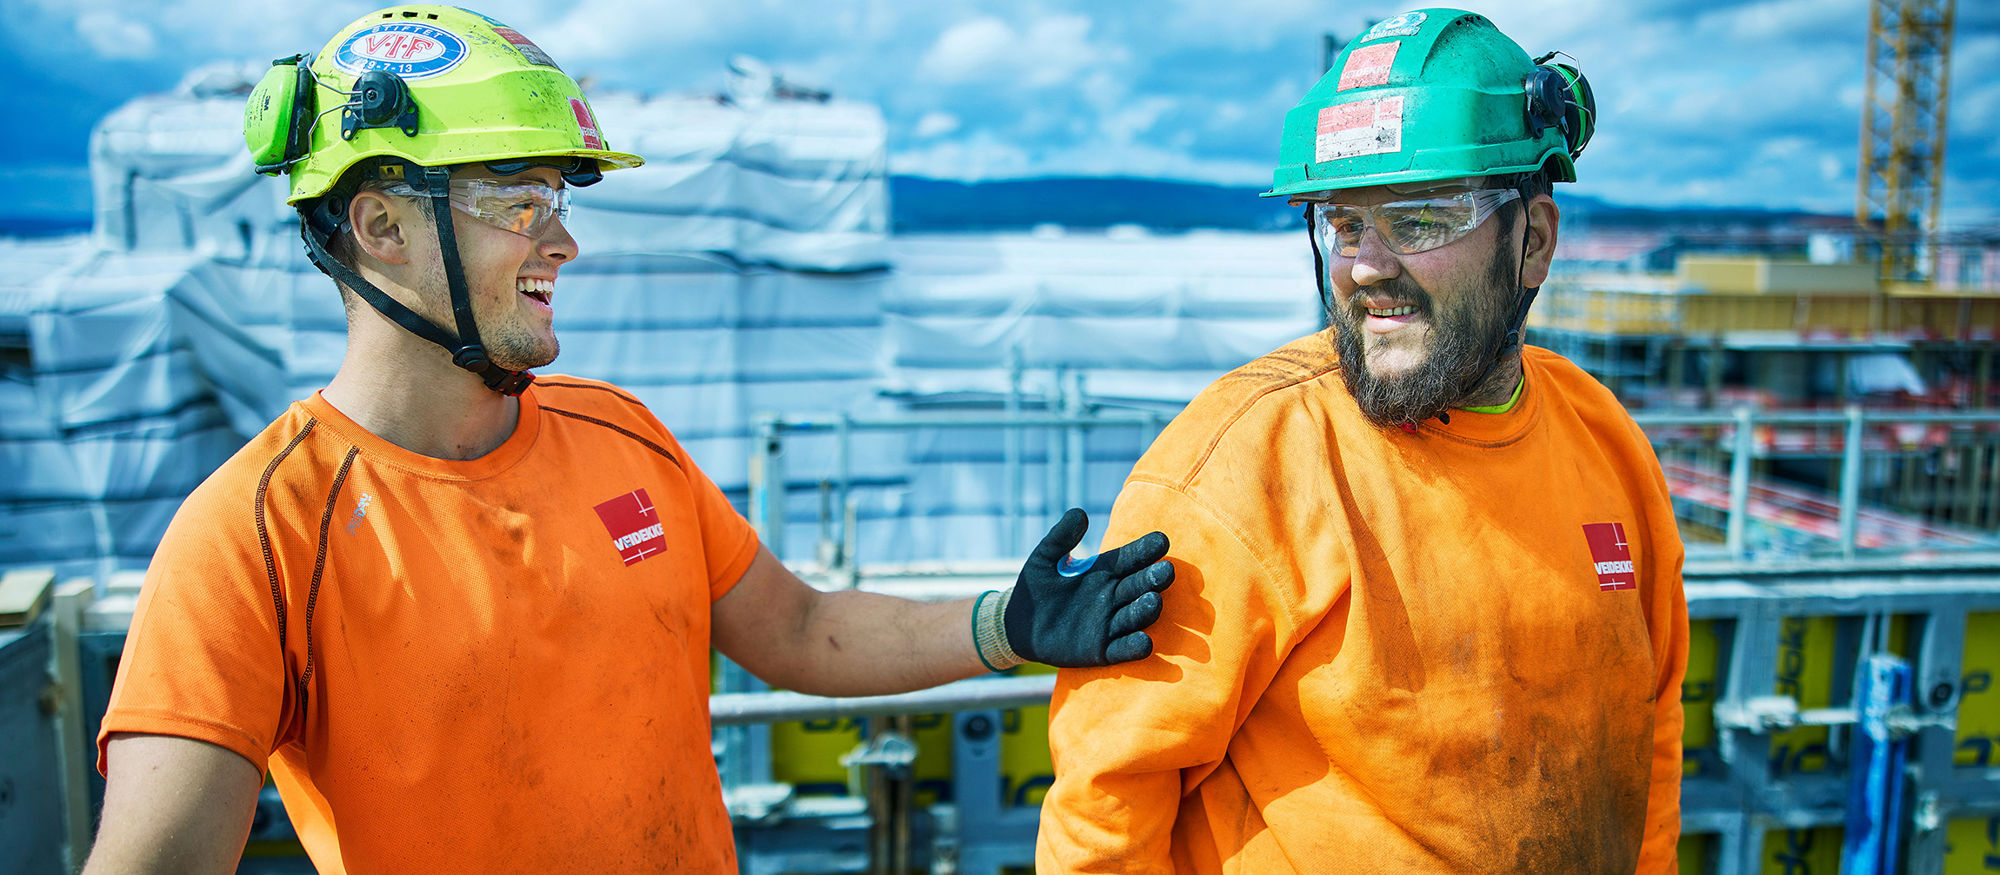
(1052,50)
(970,49)
(980,156)
(1128,122)
(112,35)
(934,124)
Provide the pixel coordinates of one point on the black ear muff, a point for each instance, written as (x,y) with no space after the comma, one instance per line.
(1559,97)
(380,100)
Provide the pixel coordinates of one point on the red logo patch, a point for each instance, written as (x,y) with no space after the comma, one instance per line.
(634,525)
(587,124)
(1613,555)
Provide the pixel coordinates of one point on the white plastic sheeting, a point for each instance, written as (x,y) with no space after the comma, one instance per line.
(741,270)
(1125,321)
(746,270)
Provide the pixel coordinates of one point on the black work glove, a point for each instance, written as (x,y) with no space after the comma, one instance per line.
(1091,612)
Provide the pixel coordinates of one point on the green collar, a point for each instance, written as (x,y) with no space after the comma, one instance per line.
(1501,408)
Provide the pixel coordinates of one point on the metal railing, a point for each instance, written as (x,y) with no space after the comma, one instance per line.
(1734,434)
(1743,423)
(1064,468)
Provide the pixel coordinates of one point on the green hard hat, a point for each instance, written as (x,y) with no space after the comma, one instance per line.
(433,85)
(1427,95)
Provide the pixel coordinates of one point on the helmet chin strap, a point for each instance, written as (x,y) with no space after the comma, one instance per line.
(466,350)
(1524,296)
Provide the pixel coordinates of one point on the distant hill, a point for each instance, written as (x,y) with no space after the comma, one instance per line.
(1600,214)
(931,205)
(44,225)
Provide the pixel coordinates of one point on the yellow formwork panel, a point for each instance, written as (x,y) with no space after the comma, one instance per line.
(1848,317)
(1757,275)
(1802,851)
(1717,314)
(1698,692)
(1718,275)
(1968,317)
(1972,846)
(1805,673)
(807,754)
(1979,701)
(1025,769)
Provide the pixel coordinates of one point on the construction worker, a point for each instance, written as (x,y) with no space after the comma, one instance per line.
(462,614)
(1428,614)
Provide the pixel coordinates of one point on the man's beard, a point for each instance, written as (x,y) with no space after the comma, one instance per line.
(1463,345)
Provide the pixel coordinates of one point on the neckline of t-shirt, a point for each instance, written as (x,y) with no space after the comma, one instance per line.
(526,426)
(1497,429)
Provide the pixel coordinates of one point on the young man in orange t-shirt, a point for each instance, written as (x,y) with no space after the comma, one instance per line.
(1428,615)
(464,616)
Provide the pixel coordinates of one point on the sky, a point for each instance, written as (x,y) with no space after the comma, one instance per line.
(1701,102)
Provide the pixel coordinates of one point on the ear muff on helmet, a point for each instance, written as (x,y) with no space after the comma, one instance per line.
(278,119)
(1559,97)
(279,115)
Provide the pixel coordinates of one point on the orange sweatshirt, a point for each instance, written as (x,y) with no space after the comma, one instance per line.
(1454,650)
(494,665)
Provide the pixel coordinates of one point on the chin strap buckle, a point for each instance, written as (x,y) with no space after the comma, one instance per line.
(508,382)
(472,357)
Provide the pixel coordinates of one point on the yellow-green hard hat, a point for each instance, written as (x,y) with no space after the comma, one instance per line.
(432,85)
(1427,95)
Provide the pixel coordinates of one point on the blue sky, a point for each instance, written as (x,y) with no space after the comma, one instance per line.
(1701,102)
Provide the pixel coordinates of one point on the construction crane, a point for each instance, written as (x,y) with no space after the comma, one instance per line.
(1901,173)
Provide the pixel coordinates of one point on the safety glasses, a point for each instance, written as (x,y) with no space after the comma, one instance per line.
(525,208)
(1409,226)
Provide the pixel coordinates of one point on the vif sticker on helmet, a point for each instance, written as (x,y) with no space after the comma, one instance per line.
(587,124)
(405,48)
(529,51)
(1368,65)
(1364,127)
(1405,24)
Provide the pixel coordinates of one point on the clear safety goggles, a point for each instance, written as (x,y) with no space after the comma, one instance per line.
(1408,226)
(525,208)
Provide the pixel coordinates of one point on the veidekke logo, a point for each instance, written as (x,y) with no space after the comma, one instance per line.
(634,525)
(1612,554)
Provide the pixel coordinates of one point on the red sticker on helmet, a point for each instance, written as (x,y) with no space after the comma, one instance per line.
(1368,65)
(586,124)
(1364,127)
(530,52)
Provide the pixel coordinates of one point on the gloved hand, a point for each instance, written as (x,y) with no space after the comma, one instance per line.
(1094,613)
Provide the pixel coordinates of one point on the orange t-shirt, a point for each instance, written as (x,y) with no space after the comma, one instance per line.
(1455,650)
(491,665)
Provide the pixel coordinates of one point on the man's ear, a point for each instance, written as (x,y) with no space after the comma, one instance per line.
(1542,216)
(382,225)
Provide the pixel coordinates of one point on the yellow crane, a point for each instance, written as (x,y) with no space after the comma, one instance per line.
(1901,173)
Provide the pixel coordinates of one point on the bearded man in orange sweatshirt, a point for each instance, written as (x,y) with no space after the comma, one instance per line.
(1429,614)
